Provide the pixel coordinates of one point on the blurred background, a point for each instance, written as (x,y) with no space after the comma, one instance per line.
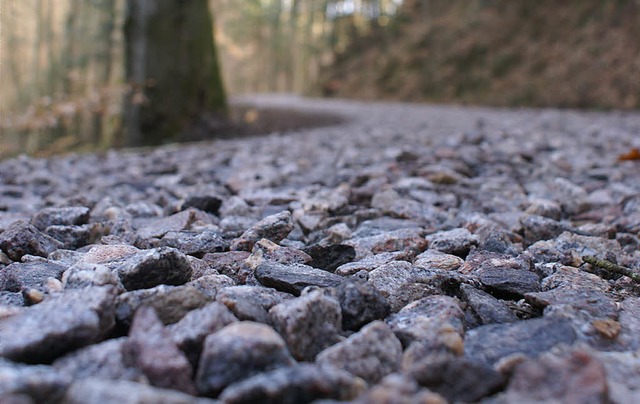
(93,74)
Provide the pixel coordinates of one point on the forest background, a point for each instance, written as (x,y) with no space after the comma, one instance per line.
(62,75)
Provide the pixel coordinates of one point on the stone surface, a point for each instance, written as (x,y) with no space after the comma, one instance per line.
(330,257)
(69,216)
(251,303)
(97,391)
(297,384)
(509,283)
(485,308)
(30,275)
(21,238)
(237,352)
(370,354)
(170,302)
(370,263)
(490,343)
(34,384)
(48,330)
(434,259)
(361,303)
(195,243)
(150,349)
(275,228)
(456,242)
(309,323)
(294,278)
(150,268)
(402,283)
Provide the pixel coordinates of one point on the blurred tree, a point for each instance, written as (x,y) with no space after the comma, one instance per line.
(171,67)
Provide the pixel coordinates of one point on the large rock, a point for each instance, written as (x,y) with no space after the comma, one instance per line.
(371,353)
(309,323)
(237,352)
(41,333)
(33,384)
(21,238)
(294,278)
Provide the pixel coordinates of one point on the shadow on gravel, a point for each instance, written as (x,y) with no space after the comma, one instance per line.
(248,121)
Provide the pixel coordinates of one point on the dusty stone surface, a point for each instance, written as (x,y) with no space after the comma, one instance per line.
(462,229)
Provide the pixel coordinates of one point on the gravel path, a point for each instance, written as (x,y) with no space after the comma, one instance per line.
(413,254)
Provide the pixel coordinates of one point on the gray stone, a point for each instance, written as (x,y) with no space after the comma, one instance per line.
(30,275)
(309,323)
(370,263)
(410,240)
(251,303)
(83,274)
(69,216)
(21,238)
(275,228)
(397,388)
(150,268)
(509,283)
(210,285)
(402,283)
(36,384)
(150,349)
(486,308)
(568,248)
(158,227)
(43,332)
(102,360)
(544,207)
(100,254)
(361,303)
(330,257)
(237,352)
(536,228)
(594,302)
(189,333)
(205,203)
(297,384)
(73,237)
(371,353)
(195,243)
(438,260)
(427,318)
(456,242)
(266,250)
(231,263)
(98,391)
(170,302)
(490,343)
(294,278)
(12,299)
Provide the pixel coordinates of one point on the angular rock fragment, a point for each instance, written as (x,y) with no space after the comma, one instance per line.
(594,302)
(536,228)
(150,349)
(330,257)
(294,278)
(210,285)
(297,384)
(69,216)
(251,303)
(409,240)
(149,268)
(397,388)
(455,242)
(489,343)
(371,353)
(266,250)
(361,303)
(205,203)
(103,360)
(370,263)
(309,323)
(401,283)
(189,333)
(29,275)
(158,227)
(509,283)
(171,303)
(438,260)
(486,308)
(195,243)
(21,239)
(84,274)
(237,352)
(43,332)
(231,263)
(275,228)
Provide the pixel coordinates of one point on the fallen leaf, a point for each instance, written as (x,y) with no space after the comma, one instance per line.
(633,154)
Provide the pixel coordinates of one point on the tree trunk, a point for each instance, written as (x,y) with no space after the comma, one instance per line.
(172,68)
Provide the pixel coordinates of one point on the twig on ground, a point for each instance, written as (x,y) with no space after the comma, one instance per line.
(612,267)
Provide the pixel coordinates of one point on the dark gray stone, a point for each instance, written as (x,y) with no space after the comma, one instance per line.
(297,384)
(330,257)
(401,283)
(275,228)
(594,302)
(490,343)
(29,275)
(370,263)
(189,333)
(294,278)
(150,268)
(210,285)
(21,238)
(43,332)
(12,299)
(73,237)
(98,391)
(361,303)
(536,228)
(456,242)
(486,308)
(150,349)
(371,353)
(237,352)
(231,263)
(509,283)
(251,303)
(205,203)
(69,216)
(170,302)
(309,323)
(195,243)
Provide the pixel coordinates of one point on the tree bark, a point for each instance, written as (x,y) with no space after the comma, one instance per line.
(171,67)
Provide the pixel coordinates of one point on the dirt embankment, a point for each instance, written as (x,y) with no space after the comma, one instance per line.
(578,54)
